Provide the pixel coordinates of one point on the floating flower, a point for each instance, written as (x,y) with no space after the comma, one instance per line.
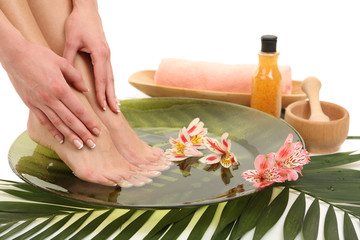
(197,132)
(283,165)
(291,157)
(266,172)
(221,151)
(182,147)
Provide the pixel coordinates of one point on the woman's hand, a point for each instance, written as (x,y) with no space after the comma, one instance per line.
(40,77)
(84,32)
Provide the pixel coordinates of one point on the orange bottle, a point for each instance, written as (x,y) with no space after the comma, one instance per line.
(266,83)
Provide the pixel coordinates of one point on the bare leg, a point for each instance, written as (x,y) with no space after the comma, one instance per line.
(104,164)
(51,16)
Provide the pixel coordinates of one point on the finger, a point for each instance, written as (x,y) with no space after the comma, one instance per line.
(74,108)
(100,72)
(77,134)
(73,76)
(47,124)
(112,101)
(70,51)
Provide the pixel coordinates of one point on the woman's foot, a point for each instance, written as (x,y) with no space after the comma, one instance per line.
(132,148)
(129,145)
(103,164)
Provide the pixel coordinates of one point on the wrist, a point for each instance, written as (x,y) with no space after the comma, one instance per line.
(12,46)
(85,4)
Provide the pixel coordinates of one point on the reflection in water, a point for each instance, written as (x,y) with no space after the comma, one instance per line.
(45,166)
(186,165)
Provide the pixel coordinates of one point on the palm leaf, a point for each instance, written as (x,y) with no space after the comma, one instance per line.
(311,222)
(27,212)
(294,219)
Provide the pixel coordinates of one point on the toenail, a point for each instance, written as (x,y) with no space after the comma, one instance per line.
(156,173)
(59,139)
(124,184)
(78,144)
(90,143)
(96,131)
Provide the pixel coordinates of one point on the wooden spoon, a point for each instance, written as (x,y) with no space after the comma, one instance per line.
(311,86)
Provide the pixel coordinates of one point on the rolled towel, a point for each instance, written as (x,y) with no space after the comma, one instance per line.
(213,76)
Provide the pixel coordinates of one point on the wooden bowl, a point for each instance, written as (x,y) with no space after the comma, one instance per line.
(319,137)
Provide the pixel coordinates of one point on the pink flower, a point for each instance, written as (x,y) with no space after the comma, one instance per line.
(182,147)
(221,151)
(283,165)
(197,132)
(266,172)
(291,157)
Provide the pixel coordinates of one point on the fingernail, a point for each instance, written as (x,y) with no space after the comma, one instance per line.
(90,143)
(118,103)
(59,139)
(118,108)
(104,106)
(87,90)
(96,131)
(78,144)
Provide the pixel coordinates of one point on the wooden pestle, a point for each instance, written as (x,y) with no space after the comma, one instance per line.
(311,86)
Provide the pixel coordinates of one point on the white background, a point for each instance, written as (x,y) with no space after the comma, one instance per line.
(316,38)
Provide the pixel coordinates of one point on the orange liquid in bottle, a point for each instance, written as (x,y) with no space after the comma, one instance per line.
(266,85)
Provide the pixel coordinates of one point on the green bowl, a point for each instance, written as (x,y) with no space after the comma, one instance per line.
(187,183)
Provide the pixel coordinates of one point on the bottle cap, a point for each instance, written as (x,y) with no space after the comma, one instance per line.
(268,43)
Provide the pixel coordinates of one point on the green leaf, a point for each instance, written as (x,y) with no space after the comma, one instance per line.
(173,216)
(5,227)
(271,214)
(331,160)
(177,228)
(311,222)
(134,226)
(47,198)
(330,226)
(231,212)
(253,210)
(56,226)
(113,226)
(91,226)
(349,230)
(37,208)
(17,229)
(73,227)
(203,223)
(34,230)
(295,217)
(225,232)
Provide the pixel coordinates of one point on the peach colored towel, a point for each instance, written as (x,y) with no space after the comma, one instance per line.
(213,76)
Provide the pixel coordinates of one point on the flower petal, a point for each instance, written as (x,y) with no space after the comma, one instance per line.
(263,162)
(226,142)
(211,158)
(173,141)
(234,160)
(251,175)
(213,145)
(191,151)
(184,136)
(192,126)
(175,157)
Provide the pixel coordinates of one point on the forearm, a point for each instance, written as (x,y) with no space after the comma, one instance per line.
(11,39)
